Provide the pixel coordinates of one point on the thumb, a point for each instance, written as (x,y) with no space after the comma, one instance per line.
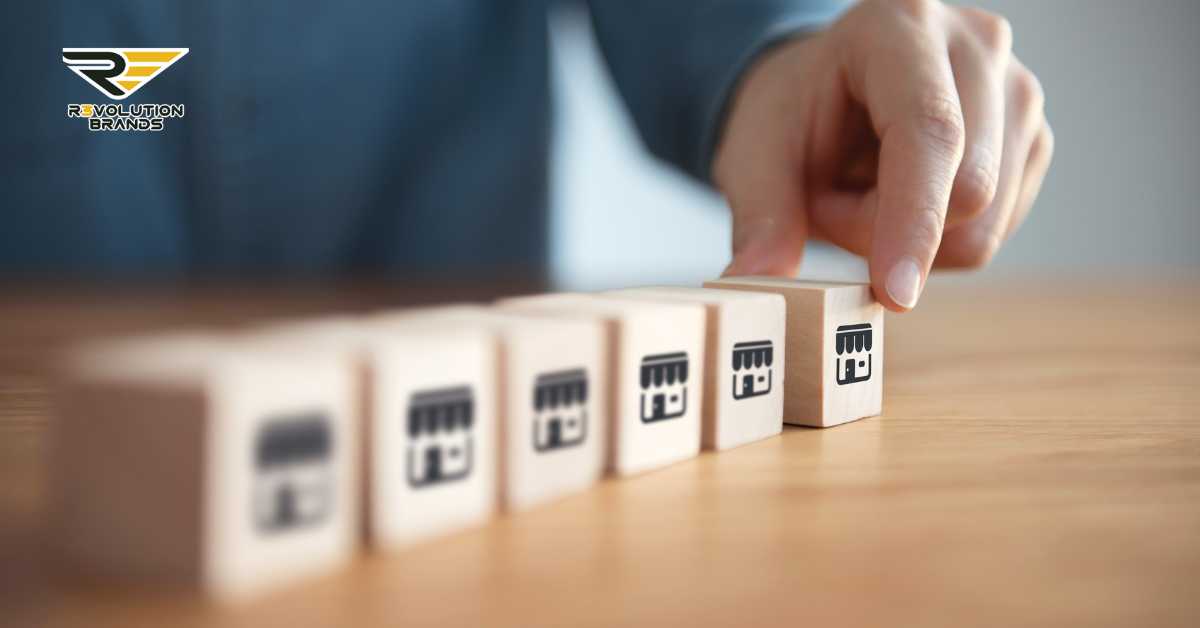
(760,173)
(767,241)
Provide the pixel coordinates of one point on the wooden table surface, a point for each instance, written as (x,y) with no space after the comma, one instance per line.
(1037,463)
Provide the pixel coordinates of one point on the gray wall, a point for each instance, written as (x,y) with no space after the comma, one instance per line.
(1123,96)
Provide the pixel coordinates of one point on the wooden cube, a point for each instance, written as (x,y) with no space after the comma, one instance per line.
(429,395)
(553,416)
(193,460)
(657,354)
(744,361)
(834,348)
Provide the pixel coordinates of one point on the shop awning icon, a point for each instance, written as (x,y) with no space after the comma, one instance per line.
(851,338)
(440,443)
(560,410)
(848,341)
(664,386)
(755,359)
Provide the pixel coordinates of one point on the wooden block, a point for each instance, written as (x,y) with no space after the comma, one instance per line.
(195,461)
(834,348)
(553,416)
(657,351)
(429,396)
(744,361)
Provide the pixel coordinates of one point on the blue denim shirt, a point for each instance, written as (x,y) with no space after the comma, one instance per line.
(324,138)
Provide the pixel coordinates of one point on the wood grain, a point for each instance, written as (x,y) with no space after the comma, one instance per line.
(1037,463)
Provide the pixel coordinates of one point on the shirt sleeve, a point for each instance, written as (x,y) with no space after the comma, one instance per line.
(676,62)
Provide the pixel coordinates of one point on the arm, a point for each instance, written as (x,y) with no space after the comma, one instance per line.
(676,62)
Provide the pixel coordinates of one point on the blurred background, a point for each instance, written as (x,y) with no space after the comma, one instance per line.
(1123,96)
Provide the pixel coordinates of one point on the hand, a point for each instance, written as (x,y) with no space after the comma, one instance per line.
(907,133)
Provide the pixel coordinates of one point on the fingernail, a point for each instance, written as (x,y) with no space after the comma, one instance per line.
(904,282)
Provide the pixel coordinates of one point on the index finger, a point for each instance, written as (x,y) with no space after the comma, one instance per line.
(906,83)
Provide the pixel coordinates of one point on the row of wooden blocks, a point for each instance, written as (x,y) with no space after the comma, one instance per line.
(237,461)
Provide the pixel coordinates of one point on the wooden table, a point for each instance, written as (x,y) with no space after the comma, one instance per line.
(1037,463)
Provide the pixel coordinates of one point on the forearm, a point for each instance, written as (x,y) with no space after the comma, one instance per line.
(677,63)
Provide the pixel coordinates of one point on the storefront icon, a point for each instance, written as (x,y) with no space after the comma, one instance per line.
(560,410)
(752,368)
(293,480)
(664,386)
(440,438)
(853,340)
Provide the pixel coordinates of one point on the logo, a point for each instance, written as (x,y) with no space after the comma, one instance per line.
(119,72)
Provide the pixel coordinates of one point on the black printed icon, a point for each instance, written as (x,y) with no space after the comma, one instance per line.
(440,436)
(293,479)
(664,386)
(853,340)
(755,358)
(560,410)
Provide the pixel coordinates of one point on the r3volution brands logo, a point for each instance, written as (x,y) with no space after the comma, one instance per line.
(118,73)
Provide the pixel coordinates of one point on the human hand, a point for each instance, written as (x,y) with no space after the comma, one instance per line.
(907,133)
